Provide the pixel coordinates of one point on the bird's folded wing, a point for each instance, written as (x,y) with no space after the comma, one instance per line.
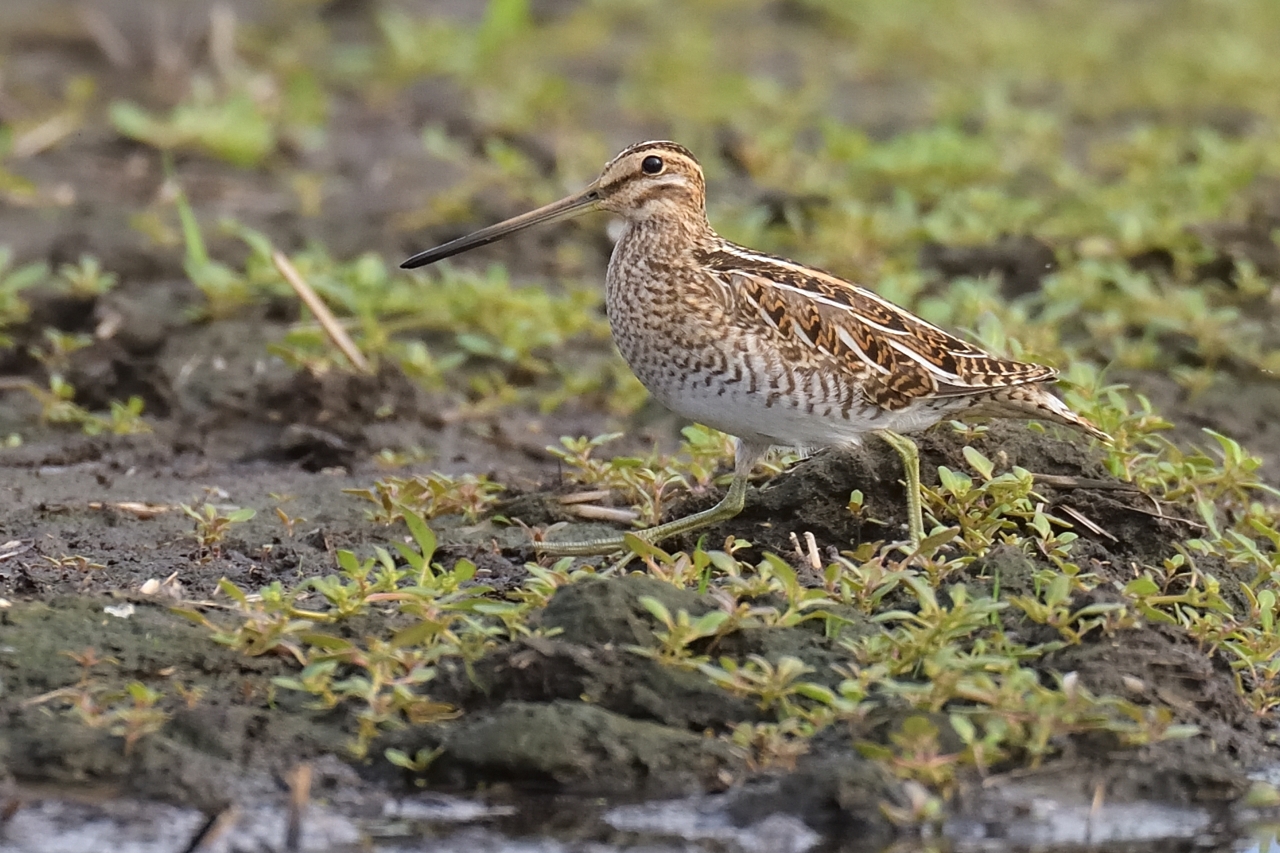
(899,358)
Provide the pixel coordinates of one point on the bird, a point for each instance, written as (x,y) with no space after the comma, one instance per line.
(770,351)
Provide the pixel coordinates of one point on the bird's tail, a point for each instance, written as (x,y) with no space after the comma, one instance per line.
(1032,402)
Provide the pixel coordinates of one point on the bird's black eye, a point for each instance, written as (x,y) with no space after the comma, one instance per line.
(651,165)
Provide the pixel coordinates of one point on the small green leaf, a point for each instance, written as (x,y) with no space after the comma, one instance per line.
(816,692)
(1141,587)
(726,563)
(978,462)
(411,557)
(422,534)
(193,615)
(963,728)
(348,562)
(954,483)
(782,571)
(327,642)
(709,623)
(232,591)
(657,609)
(415,634)
(464,570)
(1059,591)
(134,122)
(1040,524)
(399,758)
(644,548)
(931,543)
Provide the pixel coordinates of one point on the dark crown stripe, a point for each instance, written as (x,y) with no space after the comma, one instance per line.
(655,145)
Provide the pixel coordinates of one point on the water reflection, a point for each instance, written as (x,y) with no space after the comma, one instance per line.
(445,824)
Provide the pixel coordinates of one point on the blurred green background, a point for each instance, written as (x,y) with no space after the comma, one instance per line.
(1088,183)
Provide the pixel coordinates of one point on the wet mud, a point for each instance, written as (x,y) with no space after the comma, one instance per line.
(86,521)
(574,713)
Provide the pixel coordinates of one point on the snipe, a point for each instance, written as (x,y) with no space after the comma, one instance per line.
(768,350)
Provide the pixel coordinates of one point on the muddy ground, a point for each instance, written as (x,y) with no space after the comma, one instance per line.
(244,437)
(234,426)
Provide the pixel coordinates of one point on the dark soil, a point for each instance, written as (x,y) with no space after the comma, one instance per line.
(575,713)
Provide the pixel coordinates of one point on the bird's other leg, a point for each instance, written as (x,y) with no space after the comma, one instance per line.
(746,456)
(911,464)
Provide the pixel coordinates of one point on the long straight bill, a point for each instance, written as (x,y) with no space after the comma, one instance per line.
(566,207)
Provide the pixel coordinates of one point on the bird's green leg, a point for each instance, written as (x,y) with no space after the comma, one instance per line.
(911,464)
(730,506)
(746,457)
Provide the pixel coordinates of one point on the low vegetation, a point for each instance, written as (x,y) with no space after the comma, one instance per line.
(1121,183)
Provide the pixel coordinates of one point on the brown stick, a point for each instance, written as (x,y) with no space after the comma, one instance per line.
(321,311)
(602,513)
(299,795)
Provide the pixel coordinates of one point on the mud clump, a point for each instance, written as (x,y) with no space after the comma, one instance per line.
(332,419)
(583,711)
(609,613)
(596,625)
(192,755)
(576,748)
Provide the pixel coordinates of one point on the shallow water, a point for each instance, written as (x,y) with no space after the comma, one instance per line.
(443,824)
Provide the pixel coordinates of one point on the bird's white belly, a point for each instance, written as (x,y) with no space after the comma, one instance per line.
(784,421)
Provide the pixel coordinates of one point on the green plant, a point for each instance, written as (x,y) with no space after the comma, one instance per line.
(243,115)
(490,57)
(1052,606)
(213,523)
(130,712)
(440,612)
(679,632)
(429,496)
(87,278)
(58,348)
(989,511)
(775,686)
(226,292)
(915,752)
(232,127)
(57,406)
(930,629)
(13,308)
(418,763)
(772,746)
